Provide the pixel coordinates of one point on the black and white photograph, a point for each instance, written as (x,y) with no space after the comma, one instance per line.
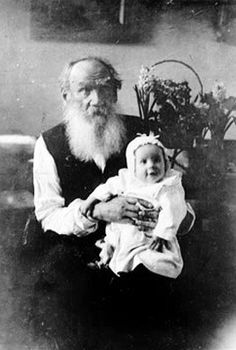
(118,175)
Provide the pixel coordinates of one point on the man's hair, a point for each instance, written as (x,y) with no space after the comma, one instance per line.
(64,79)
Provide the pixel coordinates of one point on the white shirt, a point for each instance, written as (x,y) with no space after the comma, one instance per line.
(49,204)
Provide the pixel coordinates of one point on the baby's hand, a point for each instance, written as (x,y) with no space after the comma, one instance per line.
(157,244)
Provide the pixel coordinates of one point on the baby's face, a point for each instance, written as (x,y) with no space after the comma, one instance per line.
(149,164)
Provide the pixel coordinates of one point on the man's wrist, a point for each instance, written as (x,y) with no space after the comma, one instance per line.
(101,212)
(83,222)
(88,217)
(96,212)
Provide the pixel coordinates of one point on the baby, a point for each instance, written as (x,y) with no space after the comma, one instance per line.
(147,177)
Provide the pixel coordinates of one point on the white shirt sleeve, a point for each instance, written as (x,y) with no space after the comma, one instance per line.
(49,204)
(173,211)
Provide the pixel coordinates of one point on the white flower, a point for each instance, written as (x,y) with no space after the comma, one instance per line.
(219,91)
(200,105)
(146,80)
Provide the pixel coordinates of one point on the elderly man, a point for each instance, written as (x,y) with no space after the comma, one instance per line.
(84,150)
(70,160)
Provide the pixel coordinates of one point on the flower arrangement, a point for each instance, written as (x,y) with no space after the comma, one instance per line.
(167,109)
(182,122)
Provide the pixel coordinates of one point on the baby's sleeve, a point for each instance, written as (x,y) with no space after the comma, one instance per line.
(172,211)
(107,190)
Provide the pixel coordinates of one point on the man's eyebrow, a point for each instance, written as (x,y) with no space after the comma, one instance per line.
(86,84)
(82,83)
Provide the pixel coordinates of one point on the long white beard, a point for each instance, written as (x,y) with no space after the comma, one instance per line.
(95,138)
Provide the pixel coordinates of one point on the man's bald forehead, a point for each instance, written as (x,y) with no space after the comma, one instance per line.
(89,70)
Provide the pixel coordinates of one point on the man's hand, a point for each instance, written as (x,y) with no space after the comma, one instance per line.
(86,206)
(118,209)
(147,216)
(130,210)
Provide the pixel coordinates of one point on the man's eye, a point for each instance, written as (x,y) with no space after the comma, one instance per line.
(84,90)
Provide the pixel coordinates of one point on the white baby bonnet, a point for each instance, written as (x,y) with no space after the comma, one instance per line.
(135,144)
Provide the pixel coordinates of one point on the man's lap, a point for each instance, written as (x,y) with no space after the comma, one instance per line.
(70,296)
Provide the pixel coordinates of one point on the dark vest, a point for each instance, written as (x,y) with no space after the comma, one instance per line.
(78,178)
